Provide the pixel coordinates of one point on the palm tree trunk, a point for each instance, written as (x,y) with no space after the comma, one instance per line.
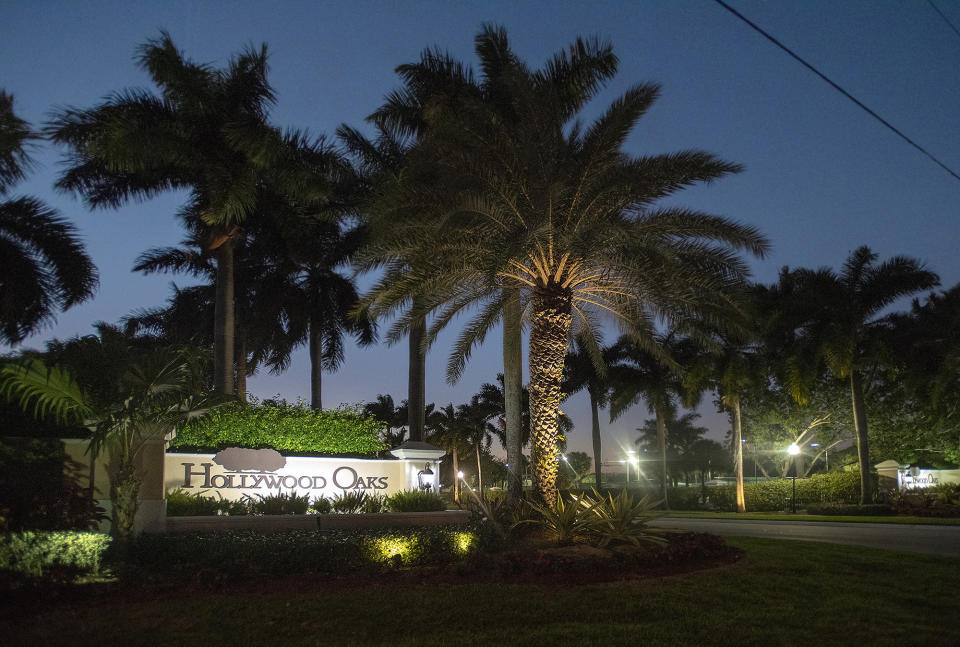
(548,349)
(595,416)
(241,391)
(124,499)
(479,474)
(456,477)
(513,391)
(223,320)
(738,467)
(416,383)
(662,439)
(863,448)
(316,367)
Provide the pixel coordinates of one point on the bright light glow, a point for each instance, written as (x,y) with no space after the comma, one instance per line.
(566,459)
(814,444)
(462,541)
(393,546)
(631,452)
(793,449)
(459,475)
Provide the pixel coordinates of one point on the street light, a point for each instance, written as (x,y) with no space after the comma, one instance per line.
(630,458)
(793,450)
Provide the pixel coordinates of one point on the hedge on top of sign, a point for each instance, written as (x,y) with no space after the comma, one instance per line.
(291,429)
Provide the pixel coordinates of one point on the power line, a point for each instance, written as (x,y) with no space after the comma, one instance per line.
(837,87)
(945,19)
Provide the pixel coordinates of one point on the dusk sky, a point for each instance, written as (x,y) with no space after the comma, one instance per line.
(821,176)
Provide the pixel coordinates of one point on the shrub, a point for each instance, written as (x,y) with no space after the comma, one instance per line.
(279,503)
(773,495)
(566,521)
(375,503)
(415,501)
(622,519)
(685,498)
(52,555)
(250,552)
(321,505)
(848,509)
(293,429)
(349,502)
(181,503)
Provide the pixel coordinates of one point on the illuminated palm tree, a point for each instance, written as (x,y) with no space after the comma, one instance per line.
(44,267)
(540,204)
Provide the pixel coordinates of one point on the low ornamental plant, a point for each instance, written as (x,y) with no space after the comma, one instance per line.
(52,555)
(349,501)
(289,429)
(622,519)
(567,521)
(415,501)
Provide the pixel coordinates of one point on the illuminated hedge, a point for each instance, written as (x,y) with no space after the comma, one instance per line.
(61,554)
(289,429)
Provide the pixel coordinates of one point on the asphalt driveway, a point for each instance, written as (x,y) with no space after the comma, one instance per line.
(933,540)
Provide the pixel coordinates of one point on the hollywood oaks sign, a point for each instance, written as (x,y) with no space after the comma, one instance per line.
(237,473)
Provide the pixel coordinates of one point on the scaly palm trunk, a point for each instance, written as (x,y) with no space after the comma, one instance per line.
(595,418)
(223,316)
(662,440)
(548,349)
(738,467)
(316,367)
(416,384)
(513,391)
(863,448)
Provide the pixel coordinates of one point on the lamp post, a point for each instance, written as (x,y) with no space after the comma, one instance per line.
(793,450)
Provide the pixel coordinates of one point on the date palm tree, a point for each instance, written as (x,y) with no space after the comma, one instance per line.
(540,204)
(837,319)
(44,267)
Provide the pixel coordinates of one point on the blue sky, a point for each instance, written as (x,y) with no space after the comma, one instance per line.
(821,178)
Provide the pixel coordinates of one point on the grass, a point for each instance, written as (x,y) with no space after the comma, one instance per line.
(779,516)
(782,593)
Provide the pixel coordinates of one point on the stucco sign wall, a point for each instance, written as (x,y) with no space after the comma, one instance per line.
(235,473)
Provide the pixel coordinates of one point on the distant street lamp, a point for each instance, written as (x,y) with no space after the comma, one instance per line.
(793,450)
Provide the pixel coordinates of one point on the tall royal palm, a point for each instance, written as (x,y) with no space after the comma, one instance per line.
(561,213)
(205,132)
(837,318)
(44,267)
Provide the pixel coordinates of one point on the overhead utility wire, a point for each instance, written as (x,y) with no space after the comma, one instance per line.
(945,19)
(837,88)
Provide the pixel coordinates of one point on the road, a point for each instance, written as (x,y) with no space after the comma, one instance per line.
(932,540)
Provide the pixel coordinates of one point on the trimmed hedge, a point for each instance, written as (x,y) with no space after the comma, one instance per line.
(289,429)
(61,554)
(295,551)
(849,510)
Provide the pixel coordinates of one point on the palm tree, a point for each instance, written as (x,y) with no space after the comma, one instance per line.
(392,416)
(320,301)
(654,376)
(205,132)
(838,325)
(473,419)
(583,372)
(44,267)
(540,204)
(125,391)
(448,433)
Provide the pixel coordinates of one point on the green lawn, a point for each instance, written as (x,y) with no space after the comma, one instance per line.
(782,593)
(779,516)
